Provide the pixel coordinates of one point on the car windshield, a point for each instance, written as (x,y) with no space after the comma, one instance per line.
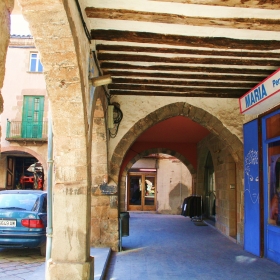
(23,201)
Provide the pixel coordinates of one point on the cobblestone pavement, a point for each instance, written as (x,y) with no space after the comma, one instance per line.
(19,264)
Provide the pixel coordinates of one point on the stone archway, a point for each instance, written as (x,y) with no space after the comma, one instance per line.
(202,117)
(164,151)
(15,160)
(29,151)
(122,188)
(230,143)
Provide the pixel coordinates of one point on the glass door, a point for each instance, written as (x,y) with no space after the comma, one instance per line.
(149,195)
(141,192)
(135,192)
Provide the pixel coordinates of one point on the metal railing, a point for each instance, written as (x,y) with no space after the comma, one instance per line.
(27,130)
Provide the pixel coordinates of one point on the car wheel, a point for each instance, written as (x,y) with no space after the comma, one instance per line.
(43,250)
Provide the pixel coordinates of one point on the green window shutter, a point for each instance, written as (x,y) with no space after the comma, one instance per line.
(32,116)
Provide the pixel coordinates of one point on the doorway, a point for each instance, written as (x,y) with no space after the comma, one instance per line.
(141,191)
(18,174)
(210,188)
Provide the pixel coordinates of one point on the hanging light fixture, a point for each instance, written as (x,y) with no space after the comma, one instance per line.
(102,80)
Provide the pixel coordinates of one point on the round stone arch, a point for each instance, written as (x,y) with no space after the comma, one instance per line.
(38,156)
(146,153)
(41,159)
(199,115)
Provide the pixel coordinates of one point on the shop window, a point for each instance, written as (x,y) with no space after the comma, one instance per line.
(274,183)
(273,126)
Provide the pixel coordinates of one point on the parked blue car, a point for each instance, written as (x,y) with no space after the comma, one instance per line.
(23,219)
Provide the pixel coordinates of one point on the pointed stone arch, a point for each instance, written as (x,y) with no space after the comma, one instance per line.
(146,153)
(201,116)
(163,151)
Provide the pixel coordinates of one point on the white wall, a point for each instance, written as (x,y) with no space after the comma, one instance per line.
(174,183)
(18,82)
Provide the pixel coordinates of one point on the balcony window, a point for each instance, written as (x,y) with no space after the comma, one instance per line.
(35,64)
(32,126)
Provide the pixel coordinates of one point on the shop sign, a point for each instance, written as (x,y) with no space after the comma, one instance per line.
(262,97)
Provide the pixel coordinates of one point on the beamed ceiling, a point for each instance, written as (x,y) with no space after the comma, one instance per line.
(195,48)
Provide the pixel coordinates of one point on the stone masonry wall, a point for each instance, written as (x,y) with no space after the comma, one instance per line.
(104,208)
(227,172)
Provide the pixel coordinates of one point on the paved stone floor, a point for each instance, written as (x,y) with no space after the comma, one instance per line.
(27,264)
(168,247)
(159,247)
(19,264)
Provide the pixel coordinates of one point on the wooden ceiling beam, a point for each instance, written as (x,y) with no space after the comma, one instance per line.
(180,40)
(194,69)
(205,83)
(131,15)
(194,76)
(174,89)
(267,4)
(122,48)
(187,60)
(214,93)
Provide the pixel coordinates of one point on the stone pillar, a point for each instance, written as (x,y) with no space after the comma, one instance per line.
(70,257)
(64,50)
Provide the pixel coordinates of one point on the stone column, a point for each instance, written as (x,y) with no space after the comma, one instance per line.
(70,255)
(64,50)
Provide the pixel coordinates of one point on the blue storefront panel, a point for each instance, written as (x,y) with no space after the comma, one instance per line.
(251,189)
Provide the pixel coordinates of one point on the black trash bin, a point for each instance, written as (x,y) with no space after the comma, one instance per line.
(124,223)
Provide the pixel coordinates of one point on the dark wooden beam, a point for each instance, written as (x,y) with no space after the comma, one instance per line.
(194,69)
(195,76)
(174,89)
(238,23)
(262,4)
(190,60)
(209,83)
(190,93)
(180,40)
(122,48)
